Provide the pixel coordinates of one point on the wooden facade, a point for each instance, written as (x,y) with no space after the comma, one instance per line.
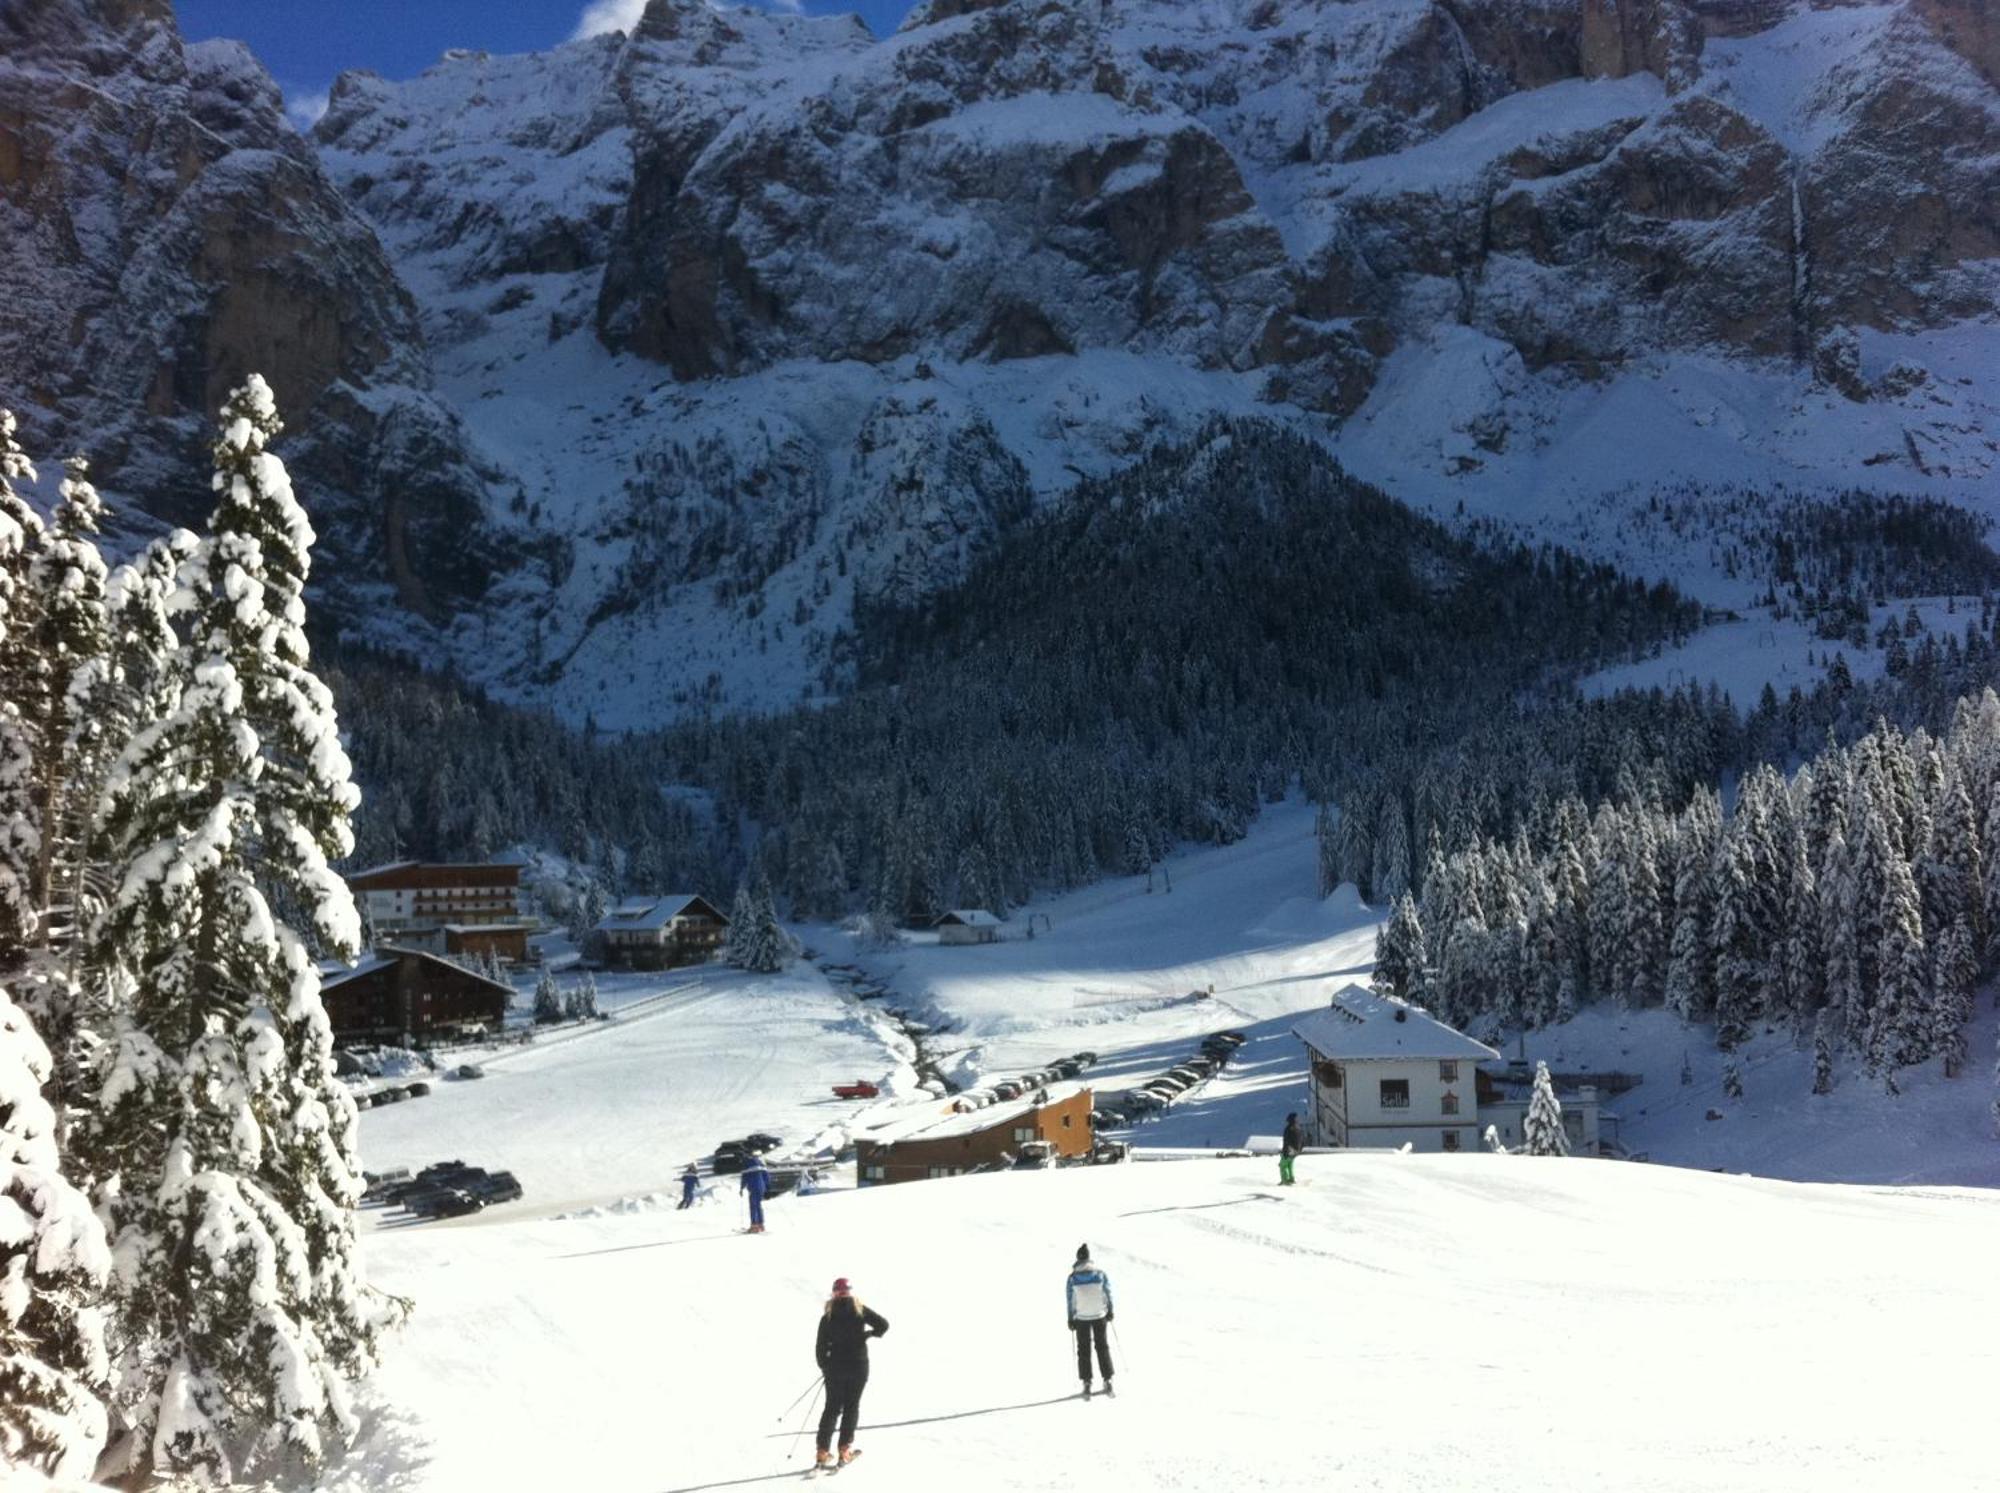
(398,995)
(661,932)
(475,940)
(425,896)
(965,1143)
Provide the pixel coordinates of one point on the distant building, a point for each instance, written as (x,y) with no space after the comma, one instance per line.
(981,1138)
(1388,1074)
(506,941)
(968,925)
(398,995)
(661,932)
(412,903)
(1503,1103)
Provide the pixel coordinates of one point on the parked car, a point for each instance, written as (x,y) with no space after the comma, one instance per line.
(364,1101)
(1168,1082)
(1033,1155)
(381,1184)
(1186,1075)
(861,1088)
(760,1141)
(1143,1101)
(1107,1119)
(729,1157)
(1066,1069)
(389,1096)
(470,1070)
(499,1187)
(419,1089)
(1086,1058)
(1204,1066)
(1106,1152)
(454,1204)
(1006,1091)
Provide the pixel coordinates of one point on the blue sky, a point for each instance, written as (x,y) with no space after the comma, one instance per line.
(306,42)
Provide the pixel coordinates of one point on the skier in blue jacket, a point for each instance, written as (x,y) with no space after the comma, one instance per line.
(690,1180)
(1088,1296)
(756,1182)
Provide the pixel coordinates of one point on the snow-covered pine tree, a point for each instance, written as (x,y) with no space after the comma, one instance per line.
(1543,1127)
(1834,888)
(1822,1054)
(1732,1079)
(1646,950)
(548,998)
(53,1263)
(771,948)
(20,841)
(1690,963)
(1687,1070)
(587,1000)
(1492,1136)
(740,946)
(1740,952)
(223,1144)
(1955,974)
(1900,1020)
(1399,952)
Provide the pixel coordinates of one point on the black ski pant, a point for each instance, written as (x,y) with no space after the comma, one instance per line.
(843,1404)
(1086,1332)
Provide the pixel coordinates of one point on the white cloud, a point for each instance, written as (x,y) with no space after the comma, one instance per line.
(304,109)
(622,15)
(608,15)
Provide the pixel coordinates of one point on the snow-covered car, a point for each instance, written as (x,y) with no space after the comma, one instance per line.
(1107,1119)
(760,1141)
(1186,1075)
(1006,1091)
(470,1070)
(1085,1058)
(1168,1082)
(1067,1068)
(1034,1155)
(1141,1101)
(419,1089)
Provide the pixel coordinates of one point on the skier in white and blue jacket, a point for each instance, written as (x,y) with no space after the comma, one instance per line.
(1088,1296)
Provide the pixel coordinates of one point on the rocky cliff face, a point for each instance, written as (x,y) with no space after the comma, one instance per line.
(167,232)
(715,330)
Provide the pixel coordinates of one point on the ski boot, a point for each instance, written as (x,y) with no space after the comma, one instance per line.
(1086,1389)
(822,1459)
(848,1454)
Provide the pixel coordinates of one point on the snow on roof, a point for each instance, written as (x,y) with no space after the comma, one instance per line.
(648,914)
(515,927)
(1361,1025)
(378,870)
(972,917)
(926,1126)
(333,972)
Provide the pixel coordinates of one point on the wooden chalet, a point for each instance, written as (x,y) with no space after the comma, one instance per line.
(660,932)
(407,995)
(981,1138)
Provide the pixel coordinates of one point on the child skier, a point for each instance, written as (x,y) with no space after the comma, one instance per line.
(1089,1298)
(756,1182)
(1288,1150)
(841,1350)
(690,1180)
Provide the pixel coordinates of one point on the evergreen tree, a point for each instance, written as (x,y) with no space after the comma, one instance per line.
(548,998)
(20,843)
(1732,1079)
(223,1142)
(1899,1022)
(1822,1055)
(53,1265)
(740,945)
(1739,950)
(1543,1128)
(1399,953)
(770,948)
(1957,970)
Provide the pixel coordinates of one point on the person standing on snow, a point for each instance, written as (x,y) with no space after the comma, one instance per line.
(690,1180)
(841,1350)
(1288,1150)
(1089,1298)
(756,1182)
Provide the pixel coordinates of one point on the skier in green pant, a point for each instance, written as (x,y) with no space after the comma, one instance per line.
(1288,1150)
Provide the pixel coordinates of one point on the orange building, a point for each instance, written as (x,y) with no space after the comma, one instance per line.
(961,1143)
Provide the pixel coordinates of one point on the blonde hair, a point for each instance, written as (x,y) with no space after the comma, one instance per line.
(833,1301)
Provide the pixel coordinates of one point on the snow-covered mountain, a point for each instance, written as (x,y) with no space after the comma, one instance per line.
(685,342)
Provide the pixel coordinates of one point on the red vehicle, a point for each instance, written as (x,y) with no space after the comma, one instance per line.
(861,1088)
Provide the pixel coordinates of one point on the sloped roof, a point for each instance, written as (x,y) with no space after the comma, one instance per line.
(1360,1025)
(334,973)
(971,917)
(650,914)
(928,1124)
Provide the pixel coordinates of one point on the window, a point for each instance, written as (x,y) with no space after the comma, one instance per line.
(874,1173)
(1448,1072)
(1333,1075)
(1395,1093)
(1450,1103)
(1066,1120)
(1451,1140)
(1024,1132)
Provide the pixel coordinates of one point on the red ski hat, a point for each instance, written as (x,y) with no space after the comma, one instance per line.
(840,1286)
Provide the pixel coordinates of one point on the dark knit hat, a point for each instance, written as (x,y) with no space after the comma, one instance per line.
(1083,1254)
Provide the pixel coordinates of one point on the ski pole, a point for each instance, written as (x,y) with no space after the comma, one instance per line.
(1119,1343)
(813,1404)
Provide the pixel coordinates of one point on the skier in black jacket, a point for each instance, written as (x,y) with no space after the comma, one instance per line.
(842,1351)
